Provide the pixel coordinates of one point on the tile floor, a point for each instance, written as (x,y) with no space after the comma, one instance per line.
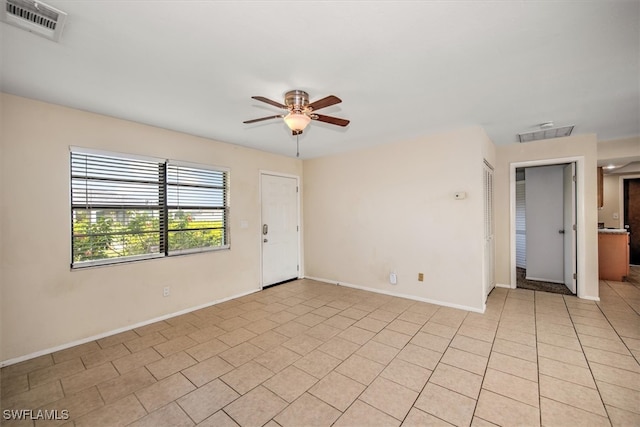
(309,353)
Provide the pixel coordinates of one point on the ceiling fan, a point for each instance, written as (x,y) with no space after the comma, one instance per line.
(300,111)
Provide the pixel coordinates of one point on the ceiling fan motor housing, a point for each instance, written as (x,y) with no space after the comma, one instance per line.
(296,100)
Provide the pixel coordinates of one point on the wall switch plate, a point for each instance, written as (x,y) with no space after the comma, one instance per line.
(393,278)
(166,291)
(420,277)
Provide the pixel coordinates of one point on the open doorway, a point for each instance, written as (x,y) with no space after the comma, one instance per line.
(544,230)
(631,205)
(545,235)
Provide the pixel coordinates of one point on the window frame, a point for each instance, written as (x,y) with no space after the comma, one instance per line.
(163,228)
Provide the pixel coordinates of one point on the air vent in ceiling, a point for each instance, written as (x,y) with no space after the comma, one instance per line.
(33,16)
(545,133)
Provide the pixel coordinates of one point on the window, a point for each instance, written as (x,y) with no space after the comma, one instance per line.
(128,208)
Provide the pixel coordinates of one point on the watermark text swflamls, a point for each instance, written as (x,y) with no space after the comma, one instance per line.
(35,414)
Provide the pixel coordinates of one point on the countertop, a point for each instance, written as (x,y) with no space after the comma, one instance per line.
(613,231)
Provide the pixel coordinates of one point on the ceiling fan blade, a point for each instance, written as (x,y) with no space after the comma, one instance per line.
(263,118)
(268,101)
(325,102)
(329,119)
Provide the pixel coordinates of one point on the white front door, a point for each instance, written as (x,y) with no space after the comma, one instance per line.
(569,173)
(279,233)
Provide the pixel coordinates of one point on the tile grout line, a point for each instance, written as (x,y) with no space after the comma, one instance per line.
(611,324)
(378,375)
(620,296)
(535,319)
(434,368)
(587,359)
(475,408)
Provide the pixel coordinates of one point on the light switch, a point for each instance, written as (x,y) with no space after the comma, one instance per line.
(461,195)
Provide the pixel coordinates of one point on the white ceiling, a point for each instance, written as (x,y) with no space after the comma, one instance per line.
(402,69)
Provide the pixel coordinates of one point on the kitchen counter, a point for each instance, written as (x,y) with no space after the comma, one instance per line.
(612,231)
(613,254)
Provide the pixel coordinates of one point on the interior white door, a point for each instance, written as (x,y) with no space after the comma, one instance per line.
(544,199)
(489,240)
(279,233)
(569,173)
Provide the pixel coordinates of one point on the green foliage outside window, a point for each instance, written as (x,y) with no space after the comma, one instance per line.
(137,233)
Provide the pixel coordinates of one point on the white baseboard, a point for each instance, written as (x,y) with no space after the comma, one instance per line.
(395,294)
(590,298)
(502,285)
(33,355)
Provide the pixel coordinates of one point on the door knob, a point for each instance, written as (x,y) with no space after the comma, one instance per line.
(265,240)
(561,231)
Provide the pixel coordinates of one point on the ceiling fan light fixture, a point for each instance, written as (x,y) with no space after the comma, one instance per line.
(297,121)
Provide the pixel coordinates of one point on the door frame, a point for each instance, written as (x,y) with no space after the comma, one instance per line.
(569,250)
(580,215)
(262,172)
(621,181)
(622,178)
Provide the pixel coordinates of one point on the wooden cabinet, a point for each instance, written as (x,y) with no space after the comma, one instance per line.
(600,188)
(613,256)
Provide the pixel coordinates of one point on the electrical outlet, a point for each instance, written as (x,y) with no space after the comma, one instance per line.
(420,277)
(166,291)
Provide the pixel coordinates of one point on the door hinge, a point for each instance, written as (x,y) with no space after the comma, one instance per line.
(575,276)
(297,228)
(573,178)
(298,267)
(296,189)
(574,227)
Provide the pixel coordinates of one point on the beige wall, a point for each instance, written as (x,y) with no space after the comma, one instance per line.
(619,148)
(44,304)
(611,202)
(582,146)
(392,208)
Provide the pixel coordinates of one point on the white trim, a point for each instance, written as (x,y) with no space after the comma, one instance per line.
(502,285)
(581,248)
(590,298)
(262,172)
(19,359)
(130,156)
(395,294)
(621,180)
(272,173)
(193,165)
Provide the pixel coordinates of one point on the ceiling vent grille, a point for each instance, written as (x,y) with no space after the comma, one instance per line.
(33,16)
(545,134)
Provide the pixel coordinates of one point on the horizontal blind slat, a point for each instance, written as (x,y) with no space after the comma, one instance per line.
(121,208)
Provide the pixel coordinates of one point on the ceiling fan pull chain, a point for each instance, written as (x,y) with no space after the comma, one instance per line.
(297,146)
